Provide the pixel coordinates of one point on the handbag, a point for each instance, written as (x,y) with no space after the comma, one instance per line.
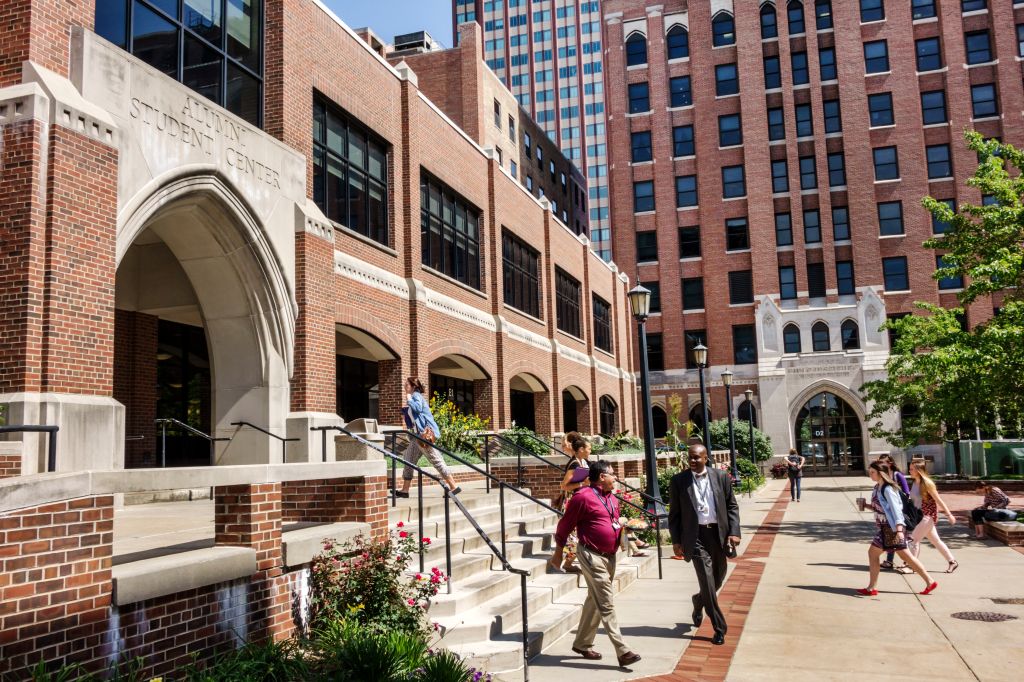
(429,438)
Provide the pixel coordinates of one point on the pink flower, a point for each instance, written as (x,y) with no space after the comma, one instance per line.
(401,524)
(425,541)
(328,546)
(434,579)
(366,555)
(419,576)
(403,534)
(412,602)
(435,570)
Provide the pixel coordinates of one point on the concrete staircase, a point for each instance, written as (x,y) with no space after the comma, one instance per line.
(482,618)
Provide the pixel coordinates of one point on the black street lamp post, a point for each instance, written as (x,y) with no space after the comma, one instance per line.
(727,382)
(640,303)
(750,421)
(700,354)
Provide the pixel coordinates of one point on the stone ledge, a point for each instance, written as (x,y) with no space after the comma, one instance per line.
(1007,532)
(299,546)
(161,576)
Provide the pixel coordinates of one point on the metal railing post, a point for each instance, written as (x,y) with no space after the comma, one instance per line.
(419,483)
(526,627)
(163,445)
(394,484)
(487,463)
(501,504)
(519,467)
(323,445)
(51,451)
(448,537)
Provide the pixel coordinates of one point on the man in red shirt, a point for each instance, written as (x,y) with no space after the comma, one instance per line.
(594,513)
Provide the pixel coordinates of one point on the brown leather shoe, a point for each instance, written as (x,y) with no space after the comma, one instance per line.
(628,659)
(588,654)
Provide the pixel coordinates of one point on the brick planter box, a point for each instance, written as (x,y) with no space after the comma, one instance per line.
(1007,532)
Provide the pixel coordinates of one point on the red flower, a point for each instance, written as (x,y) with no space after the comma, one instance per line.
(401,524)
(426,541)
(412,602)
(403,534)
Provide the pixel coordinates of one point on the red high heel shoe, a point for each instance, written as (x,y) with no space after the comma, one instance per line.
(867,593)
(929,589)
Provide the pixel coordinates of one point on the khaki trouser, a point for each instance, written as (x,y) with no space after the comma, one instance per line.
(599,609)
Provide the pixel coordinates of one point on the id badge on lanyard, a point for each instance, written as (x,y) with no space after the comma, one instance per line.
(616,526)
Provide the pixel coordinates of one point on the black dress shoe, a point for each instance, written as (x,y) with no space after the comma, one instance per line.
(718,639)
(698,612)
(399,493)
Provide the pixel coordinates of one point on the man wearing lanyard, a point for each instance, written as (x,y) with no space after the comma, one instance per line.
(594,513)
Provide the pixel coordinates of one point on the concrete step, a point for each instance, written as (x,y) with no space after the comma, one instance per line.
(469,540)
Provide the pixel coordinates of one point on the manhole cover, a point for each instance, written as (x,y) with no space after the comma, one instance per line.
(1011,600)
(984,616)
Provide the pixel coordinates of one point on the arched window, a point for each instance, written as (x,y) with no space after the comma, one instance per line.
(819,337)
(850,335)
(795,14)
(609,416)
(636,49)
(697,417)
(678,42)
(723,29)
(769,21)
(660,420)
(747,412)
(791,339)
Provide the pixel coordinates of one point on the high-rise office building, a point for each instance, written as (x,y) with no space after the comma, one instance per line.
(549,54)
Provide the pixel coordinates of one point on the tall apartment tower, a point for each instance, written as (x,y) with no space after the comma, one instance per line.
(767,162)
(549,54)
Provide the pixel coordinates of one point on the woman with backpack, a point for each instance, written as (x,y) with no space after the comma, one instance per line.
(795,469)
(417,413)
(926,496)
(887,501)
(901,481)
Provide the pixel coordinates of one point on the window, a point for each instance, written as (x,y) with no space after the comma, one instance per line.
(567,303)
(939,163)
(890,218)
(787,282)
(880,109)
(922,9)
(973,5)
(808,173)
(929,54)
(887,165)
(220,57)
(497,114)
(876,56)
(693,293)
(727,80)
(791,339)
(737,237)
(804,121)
(844,278)
(849,334)
(520,274)
(686,191)
(840,223)
(741,287)
(783,229)
(983,100)
(641,146)
(733,182)
(833,119)
(894,272)
(819,338)
(816,280)
(772,73)
(655,356)
(682,141)
(689,242)
(769,22)
(776,124)
(350,172)
(801,74)
(780,176)
(529,183)
(933,107)
(723,30)
(823,14)
(872,10)
(679,92)
(602,323)
(812,226)
(1020,40)
(678,42)
(691,339)
(643,196)
(744,344)
(513,169)
(639,98)
(511,129)
(827,63)
(950,281)
(647,247)
(449,232)
(978,47)
(939,226)
(836,170)
(795,16)
(730,132)
(636,49)
(655,289)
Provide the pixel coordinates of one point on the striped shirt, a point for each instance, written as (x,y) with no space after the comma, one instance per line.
(996,498)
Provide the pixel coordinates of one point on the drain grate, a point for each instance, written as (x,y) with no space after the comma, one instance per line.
(1010,600)
(984,616)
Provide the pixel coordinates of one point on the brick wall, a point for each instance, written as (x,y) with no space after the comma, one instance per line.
(10,465)
(40,31)
(135,384)
(313,388)
(334,501)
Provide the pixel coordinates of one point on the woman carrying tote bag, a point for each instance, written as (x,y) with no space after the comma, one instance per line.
(424,426)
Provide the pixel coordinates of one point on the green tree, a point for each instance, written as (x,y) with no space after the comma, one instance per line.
(741,429)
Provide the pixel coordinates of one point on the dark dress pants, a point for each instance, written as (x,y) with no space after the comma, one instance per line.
(710,563)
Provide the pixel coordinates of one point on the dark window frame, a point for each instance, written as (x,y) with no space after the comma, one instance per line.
(880,110)
(878,63)
(639,97)
(689,242)
(791,344)
(681,146)
(447,260)
(787,283)
(895,274)
(636,49)
(645,149)
(693,293)
(680,92)
(567,303)
(820,337)
(737,234)
(741,287)
(744,344)
(846,283)
(727,83)
(602,312)
(686,191)
(521,274)
(893,218)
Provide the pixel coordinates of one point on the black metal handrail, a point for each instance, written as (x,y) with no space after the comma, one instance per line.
(51,445)
(165,421)
(504,443)
(284,441)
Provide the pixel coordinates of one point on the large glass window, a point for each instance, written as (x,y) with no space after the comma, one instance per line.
(791,339)
(679,92)
(733,182)
(350,172)
(939,163)
(214,47)
(887,165)
(804,120)
(520,274)
(819,338)
(602,323)
(801,74)
(983,100)
(678,42)
(827,63)
(833,117)
(639,98)
(567,303)
(929,54)
(636,49)
(872,10)
(737,234)
(693,293)
(730,132)
(978,46)
(880,109)
(844,277)
(950,281)
(682,141)
(723,29)
(812,226)
(727,80)
(876,56)
(922,9)
(641,146)
(787,282)
(686,191)
(836,170)
(783,229)
(808,173)
(772,73)
(894,272)
(933,107)
(449,232)
(823,14)
(780,176)
(689,242)
(850,335)
(890,218)
(795,16)
(776,124)
(841,223)
(769,22)
(744,344)
(643,196)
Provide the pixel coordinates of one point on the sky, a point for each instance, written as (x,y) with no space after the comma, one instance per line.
(388,18)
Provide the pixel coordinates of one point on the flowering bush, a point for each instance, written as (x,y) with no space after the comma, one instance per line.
(458,430)
(780,470)
(364,581)
(638,523)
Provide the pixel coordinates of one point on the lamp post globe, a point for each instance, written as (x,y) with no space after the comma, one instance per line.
(640,302)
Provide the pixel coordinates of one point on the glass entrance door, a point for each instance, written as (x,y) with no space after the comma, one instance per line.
(828,435)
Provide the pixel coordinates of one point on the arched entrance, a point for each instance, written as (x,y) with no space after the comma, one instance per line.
(462,381)
(574,410)
(205,327)
(363,365)
(829,436)
(528,401)
(660,419)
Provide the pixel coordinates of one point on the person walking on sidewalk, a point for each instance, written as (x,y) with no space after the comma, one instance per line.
(901,481)
(926,496)
(421,423)
(795,469)
(891,536)
(704,517)
(593,513)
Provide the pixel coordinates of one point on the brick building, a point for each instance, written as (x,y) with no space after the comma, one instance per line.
(208,217)
(767,162)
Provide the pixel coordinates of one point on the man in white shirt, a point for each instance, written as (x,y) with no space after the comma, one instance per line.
(703,517)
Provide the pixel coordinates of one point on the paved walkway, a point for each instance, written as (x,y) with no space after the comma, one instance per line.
(794,615)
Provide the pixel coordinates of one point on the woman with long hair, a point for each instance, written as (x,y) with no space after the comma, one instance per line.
(901,481)
(891,535)
(995,499)
(580,449)
(926,496)
(421,422)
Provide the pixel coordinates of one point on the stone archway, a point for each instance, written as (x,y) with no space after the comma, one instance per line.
(368,377)
(575,410)
(529,403)
(828,428)
(463,381)
(193,254)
